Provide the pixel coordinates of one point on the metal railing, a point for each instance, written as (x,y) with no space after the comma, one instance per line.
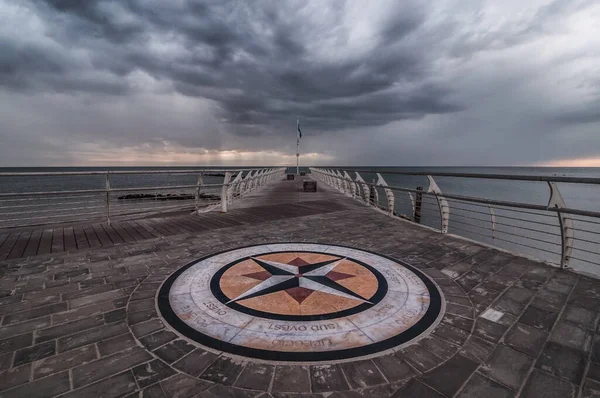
(105,195)
(552,232)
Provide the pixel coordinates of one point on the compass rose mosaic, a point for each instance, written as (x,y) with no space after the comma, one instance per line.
(300,302)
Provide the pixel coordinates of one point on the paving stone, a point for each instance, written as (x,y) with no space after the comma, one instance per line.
(141,316)
(538,318)
(15,377)
(115,316)
(142,295)
(549,300)
(594,371)
(114,386)
(141,305)
(223,370)
(509,306)
(451,334)
(477,349)
(526,339)
(596,349)
(362,374)
(393,367)
(458,322)
(24,327)
(327,378)
(38,351)
(87,292)
(116,344)
(556,286)
(415,388)
(591,389)
(144,328)
(174,351)
(256,376)
(571,336)
(439,347)
(540,383)
(586,319)
(507,366)
(450,376)
(464,301)
(34,313)
(90,336)
(291,379)
(584,301)
(68,328)
(195,362)
(42,388)
(152,372)
(6,360)
(16,342)
(420,358)
(181,386)
(155,340)
(480,386)
(61,362)
(460,310)
(563,362)
(154,391)
(83,312)
(518,294)
(107,366)
(220,391)
(489,330)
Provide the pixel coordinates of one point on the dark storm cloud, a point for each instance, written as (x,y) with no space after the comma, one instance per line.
(249,59)
(416,80)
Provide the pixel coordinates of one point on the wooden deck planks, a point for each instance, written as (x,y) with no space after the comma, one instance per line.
(80,238)
(34,242)
(280,203)
(58,240)
(69,239)
(8,245)
(46,242)
(113,235)
(122,233)
(102,235)
(133,230)
(19,246)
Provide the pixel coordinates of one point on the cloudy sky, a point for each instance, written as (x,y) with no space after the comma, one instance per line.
(191,82)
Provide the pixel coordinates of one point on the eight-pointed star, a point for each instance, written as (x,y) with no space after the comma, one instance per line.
(299,279)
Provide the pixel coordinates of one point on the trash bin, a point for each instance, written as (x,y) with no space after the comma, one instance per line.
(309,186)
(290,176)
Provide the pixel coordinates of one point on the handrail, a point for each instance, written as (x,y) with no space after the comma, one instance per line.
(254,179)
(525,177)
(562,233)
(117,172)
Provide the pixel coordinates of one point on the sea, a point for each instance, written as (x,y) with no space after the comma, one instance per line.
(529,232)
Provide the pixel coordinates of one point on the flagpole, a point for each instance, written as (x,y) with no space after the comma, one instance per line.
(297,148)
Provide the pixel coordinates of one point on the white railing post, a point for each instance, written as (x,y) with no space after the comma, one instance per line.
(108,197)
(389,194)
(365,188)
(412,205)
(350,184)
(234,187)
(224,190)
(493,218)
(199,183)
(565,222)
(442,204)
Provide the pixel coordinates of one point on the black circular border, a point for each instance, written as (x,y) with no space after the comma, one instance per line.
(382,288)
(435,307)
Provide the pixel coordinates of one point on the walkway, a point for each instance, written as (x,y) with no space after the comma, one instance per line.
(84,322)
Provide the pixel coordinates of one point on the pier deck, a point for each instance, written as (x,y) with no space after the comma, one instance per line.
(79,315)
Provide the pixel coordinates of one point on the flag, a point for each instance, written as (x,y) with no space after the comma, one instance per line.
(299,131)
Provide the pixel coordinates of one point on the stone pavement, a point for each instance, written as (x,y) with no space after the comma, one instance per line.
(85,324)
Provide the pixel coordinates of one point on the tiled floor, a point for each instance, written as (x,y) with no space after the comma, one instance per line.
(85,324)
